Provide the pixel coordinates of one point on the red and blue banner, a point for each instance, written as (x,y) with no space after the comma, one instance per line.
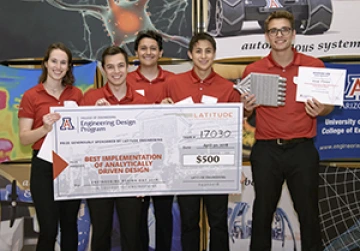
(338,134)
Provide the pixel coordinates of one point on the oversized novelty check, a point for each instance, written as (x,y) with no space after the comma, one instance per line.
(116,151)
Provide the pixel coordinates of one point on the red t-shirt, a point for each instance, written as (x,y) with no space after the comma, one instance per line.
(291,120)
(131,97)
(36,103)
(152,90)
(188,84)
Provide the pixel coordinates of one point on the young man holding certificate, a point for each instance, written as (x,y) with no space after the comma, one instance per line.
(202,85)
(148,80)
(284,148)
(115,92)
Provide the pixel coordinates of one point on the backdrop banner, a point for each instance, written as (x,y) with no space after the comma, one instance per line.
(339,206)
(323,27)
(95,24)
(285,230)
(338,134)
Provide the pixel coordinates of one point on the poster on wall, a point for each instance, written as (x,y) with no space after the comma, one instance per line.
(13,83)
(19,229)
(323,27)
(339,207)
(338,134)
(93,25)
(285,230)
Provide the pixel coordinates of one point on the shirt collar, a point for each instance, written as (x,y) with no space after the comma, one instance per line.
(196,79)
(40,87)
(140,76)
(109,94)
(296,60)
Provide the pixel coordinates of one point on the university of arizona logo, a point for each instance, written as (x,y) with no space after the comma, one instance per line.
(352,89)
(66,124)
(273,4)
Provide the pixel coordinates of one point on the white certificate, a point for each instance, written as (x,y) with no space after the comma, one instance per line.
(324,84)
(116,151)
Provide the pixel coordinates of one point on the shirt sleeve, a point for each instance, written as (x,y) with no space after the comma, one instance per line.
(319,63)
(79,96)
(246,72)
(234,96)
(26,108)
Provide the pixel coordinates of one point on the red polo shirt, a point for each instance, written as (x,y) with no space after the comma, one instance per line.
(36,103)
(188,84)
(153,90)
(291,120)
(131,97)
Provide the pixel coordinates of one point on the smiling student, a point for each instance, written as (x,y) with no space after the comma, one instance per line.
(35,122)
(284,149)
(115,92)
(202,85)
(148,79)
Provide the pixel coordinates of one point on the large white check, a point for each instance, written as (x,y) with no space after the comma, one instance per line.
(116,151)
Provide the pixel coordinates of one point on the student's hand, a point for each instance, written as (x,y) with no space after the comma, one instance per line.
(167,101)
(243,178)
(102,102)
(242,181)
(313,107)
(249,102)
(142,197)
(49,119)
